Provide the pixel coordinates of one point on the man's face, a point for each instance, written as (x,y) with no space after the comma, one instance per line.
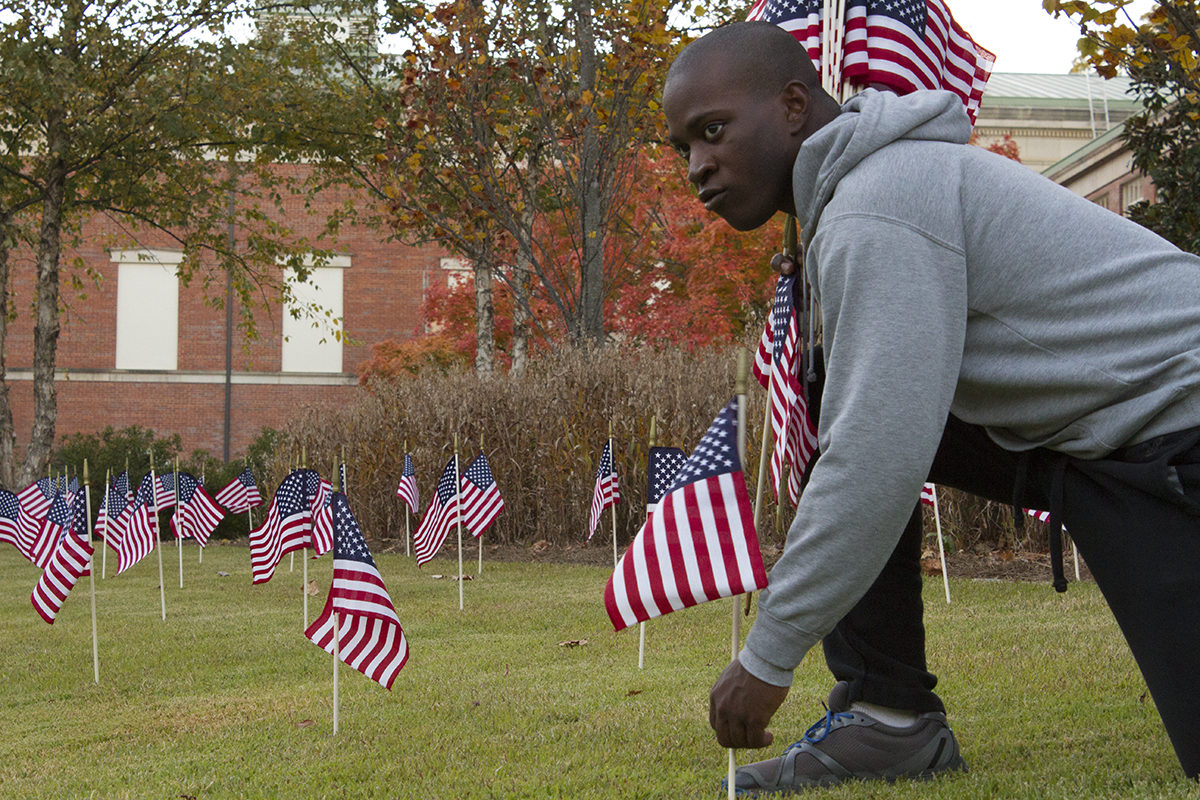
(738,144)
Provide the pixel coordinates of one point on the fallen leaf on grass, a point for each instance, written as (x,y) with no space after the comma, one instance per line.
(312,588)
(573,643)
(462,577)
(305,723)
(437,577)
(540,546)
(222,574)
(632,692)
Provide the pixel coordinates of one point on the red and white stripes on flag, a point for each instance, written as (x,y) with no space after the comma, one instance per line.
(481,498)
(698,544)
(138,525)
(777,367)
(70,561)
(116,499)
(406,490)
(240,494)
(198,514)
(927,494)
(289,523)
(1040,516)
(10,513)
(440,516)
(369,636)
(322,525)
(607,491)
(34,500)
(905,45)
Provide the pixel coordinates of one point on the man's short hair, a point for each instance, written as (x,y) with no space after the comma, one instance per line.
(759,55)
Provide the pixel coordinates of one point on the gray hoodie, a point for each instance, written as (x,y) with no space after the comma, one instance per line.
(952,280)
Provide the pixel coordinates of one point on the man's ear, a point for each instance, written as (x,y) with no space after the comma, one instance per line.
(797,100)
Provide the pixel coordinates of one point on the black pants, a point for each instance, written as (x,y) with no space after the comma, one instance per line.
(1135,517)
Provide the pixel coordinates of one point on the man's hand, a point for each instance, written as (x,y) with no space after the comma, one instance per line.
(740,706)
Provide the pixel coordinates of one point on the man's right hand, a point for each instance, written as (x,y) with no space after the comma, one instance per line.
(740,706)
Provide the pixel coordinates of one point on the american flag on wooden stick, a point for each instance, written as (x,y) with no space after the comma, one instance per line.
(777,366)
(370,638)
(10,512)
(115,501)
(905,45)
(198,514)
(699,544)
(927,493)
(240,494)
(70,561)
(440,516)
(480,496)
(407,488)
(35,500)
(138,524)
(608,490)
(288,525)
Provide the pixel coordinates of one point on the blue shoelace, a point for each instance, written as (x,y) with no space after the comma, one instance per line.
(822,726)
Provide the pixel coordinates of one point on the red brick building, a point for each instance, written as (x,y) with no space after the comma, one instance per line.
(141,349)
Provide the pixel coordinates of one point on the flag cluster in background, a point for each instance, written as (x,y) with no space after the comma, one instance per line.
(289,523)
(241,494)
(903,44)
(474,495)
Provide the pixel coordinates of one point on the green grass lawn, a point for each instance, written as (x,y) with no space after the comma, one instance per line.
(227,699)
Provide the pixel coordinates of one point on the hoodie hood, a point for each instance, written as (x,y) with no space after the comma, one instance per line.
(869,121)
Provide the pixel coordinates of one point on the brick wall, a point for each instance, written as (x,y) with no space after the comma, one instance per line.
(382,292)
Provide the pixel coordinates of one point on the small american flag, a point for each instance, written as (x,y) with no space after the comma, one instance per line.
(480,496)
(1040,516)
(240,494)
(607,492)
(776,364)
(70,561)
(54,527)
(927,494)
(369,635)
(698,544)
(904,44)
(164,491)
(138,524)
(407,489)
(665,463)
(441,514)
(10,512)
(322,494)
(288,524)
(116,499)
(35,500)
(198,514)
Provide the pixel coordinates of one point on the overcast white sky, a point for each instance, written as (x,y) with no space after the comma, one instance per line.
(1022,35)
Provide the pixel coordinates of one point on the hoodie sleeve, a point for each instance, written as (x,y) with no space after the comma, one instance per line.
(894,305)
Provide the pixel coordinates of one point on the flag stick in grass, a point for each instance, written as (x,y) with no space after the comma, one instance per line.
(87,496)
(200,547)
(613,449)
(162,591)
(929,497)
(735,632)
(104,530)
(653,442)
(178,524)
(479,538)
(458,518)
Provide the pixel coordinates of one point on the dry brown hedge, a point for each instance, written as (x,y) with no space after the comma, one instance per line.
(543,436)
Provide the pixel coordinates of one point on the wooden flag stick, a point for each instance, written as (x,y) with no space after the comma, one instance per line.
(87,496)
(736,633)
(407,524)
(104,531)
(652,443)
(612,449)
(337,635)
(178,524)
(458,516)
(937,518)
(200,547)
(162,591)
(1075,552)
(479,538)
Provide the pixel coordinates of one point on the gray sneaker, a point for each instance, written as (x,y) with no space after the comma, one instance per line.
(851,745)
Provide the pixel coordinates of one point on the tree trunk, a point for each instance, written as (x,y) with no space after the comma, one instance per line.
(45,331)
(485,318)
(521,317)
(591,209)
(8,466)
